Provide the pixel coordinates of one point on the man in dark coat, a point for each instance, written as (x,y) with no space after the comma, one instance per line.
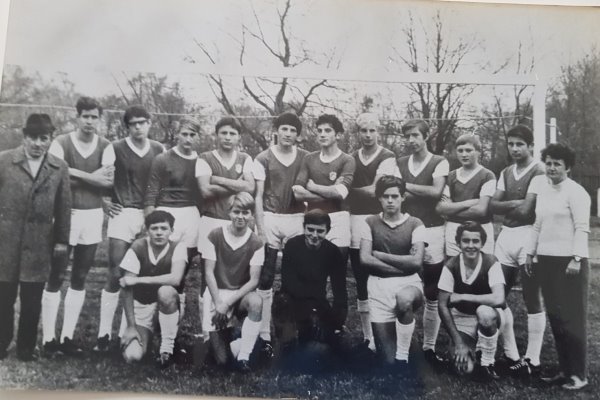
(35,212)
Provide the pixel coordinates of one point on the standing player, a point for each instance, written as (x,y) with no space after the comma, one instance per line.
(471,301)
(152,269)
(425,176)
(90,160)
(470,189)
(372,162)
(278,215)
(133,160)
(392,248)
(233,257)
(325,178)
(518,207)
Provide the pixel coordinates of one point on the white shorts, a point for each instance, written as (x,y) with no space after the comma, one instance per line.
(382,295)
(510,245)
(144,316)
(187,220)
(452,248)
(206,225)
(281,227)
(434,251)
(126,225)
(357,223)
(86,226)
(467,323)
(208,309)
(340,229)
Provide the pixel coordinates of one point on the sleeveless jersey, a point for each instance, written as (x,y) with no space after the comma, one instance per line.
(470,190)
(517,190)
(147,294)
(364,176)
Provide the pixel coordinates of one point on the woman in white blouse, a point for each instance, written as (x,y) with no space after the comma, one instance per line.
(560,242)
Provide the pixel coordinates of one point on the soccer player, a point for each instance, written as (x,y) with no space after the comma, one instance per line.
(425,176)
(278,215)
(518,207)
(233,257)
(372,162)
(152,269)
(471,302)
(133,160)
(325,178)
(90,160)
(467,194)
(392,248)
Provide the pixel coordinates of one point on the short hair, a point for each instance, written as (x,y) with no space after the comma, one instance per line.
(243,200)
(367,117)
(470,226)
(158,216)
(559,151)
(87,103)
(332,120)
(522,132)
(288,118)
(468,138)
(389,181)
(231,121)
(136,111)
(317,217)
(420,124)
(191,124)
(38,125)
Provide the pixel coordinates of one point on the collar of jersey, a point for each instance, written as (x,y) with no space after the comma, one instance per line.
(394,224)
(192,156)
(367,161)
(155,260)
(463,270)
(464,179)
(329,160)
(140,152)
(235,242)
(77,144)
(411,164)
(277,156)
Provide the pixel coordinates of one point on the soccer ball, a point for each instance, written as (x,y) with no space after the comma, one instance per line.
(133,352)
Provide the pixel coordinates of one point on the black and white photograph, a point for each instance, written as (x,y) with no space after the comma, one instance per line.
(386,199)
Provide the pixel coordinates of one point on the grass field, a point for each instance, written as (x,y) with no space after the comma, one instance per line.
(104,373)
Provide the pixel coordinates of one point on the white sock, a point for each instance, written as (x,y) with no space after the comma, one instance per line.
(108,305)
(536,325)
(249,335)
(362,306)
(50,304)
(181,306)
(509,343)
(431,324)
(403,337)
(235,347)
(488,345)
(169,324)
(73,303)
(265,325)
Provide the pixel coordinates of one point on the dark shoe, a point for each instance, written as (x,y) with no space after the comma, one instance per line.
(165,360)
(519,369)
(575,383)
(558,379)
(266,350)
(51,348)
(534,370)
(485,373)
(243,366)
(436,362)
(103,344)
(27,355)
(69,348)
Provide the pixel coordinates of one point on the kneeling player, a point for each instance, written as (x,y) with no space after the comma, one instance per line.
(392,248)
(471,299)
(233,257)
(153,268)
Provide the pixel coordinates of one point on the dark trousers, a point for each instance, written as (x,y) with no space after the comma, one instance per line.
(30,295)
(566,298)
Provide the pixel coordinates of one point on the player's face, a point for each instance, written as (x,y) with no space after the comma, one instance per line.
(391,201)
(326,135)
(89,121)
(186,140)
(227,138)
(287,135)
(37,146)
(467,155)
(239,218)
(368,133)
(415,140)
(159,233)
(518,149)
(470,245)
(138,128)
(556,169)
(314,235)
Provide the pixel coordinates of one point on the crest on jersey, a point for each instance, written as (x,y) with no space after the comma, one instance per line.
(332,176)
(238,168)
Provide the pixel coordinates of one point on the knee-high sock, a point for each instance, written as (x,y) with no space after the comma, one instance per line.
(169,324)
(50,304)
(234,346)
(403,337)
(265,325)
(73,302)
(488,345)
(509,343)
(108,305)
(181,305)
(362,306)
(249,335)
(431,324)
(536,325)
